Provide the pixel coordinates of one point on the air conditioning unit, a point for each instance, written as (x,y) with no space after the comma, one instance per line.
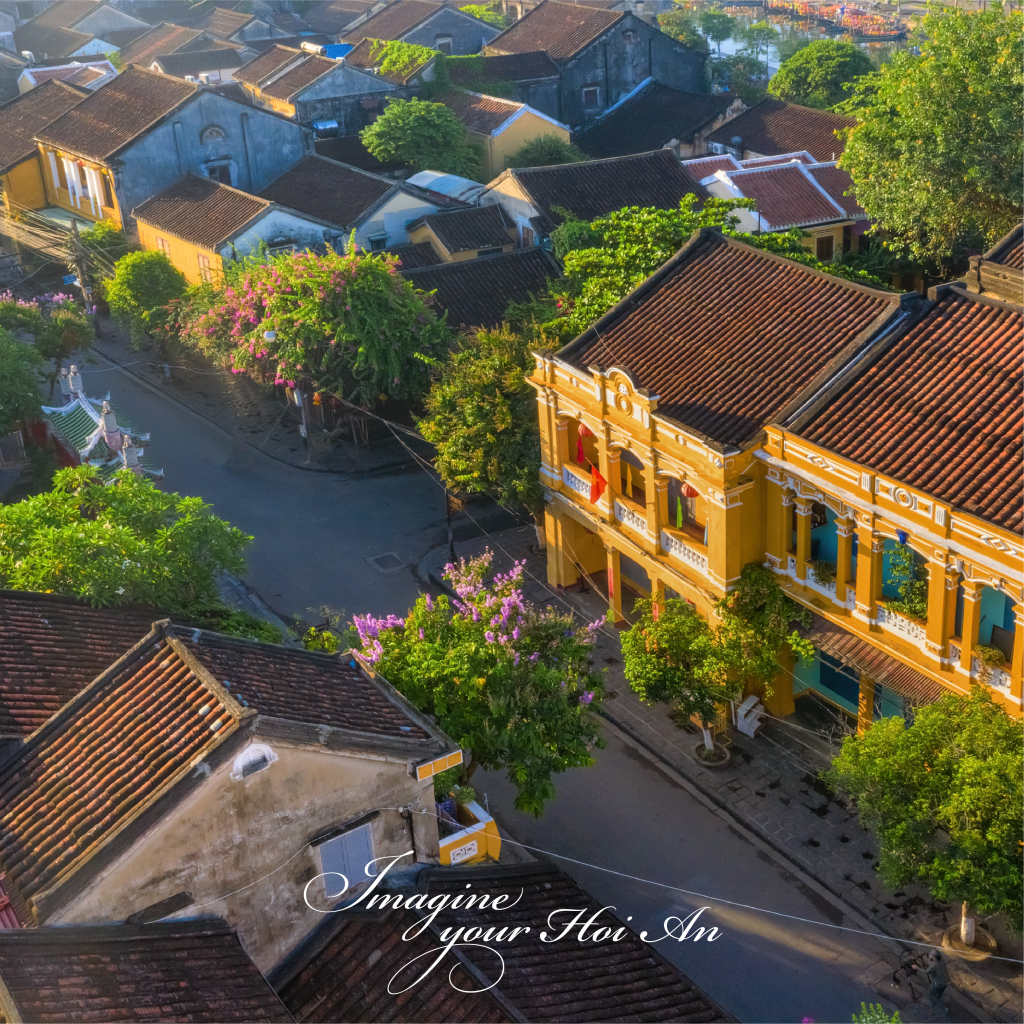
(204,77)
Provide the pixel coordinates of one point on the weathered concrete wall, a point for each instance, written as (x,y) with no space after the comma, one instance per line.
(348,96)
(541,95)
(468,34)
(231,832)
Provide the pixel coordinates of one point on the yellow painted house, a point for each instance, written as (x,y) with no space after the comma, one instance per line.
(739,408)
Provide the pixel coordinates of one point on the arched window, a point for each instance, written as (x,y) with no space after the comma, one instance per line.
(211,133)
(633,479)
(583,445)
(253,759)
(682,505)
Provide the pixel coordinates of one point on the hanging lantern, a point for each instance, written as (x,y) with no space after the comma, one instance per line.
(901,536)
(584,431)
(317,400)
(689,492)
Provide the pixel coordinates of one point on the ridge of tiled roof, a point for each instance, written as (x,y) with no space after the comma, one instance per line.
(479,227)
(200,210)
(799,157)
(560,30)
(271,60)
(594,188)
(476,293)
(117,113)
(773,126)
(326,978)
(102,761)
(328,190)
(786,196)
(479,113)
(44,41)
(1009,250)
(651,118)
(300,77)
(123,972)
(24,116)
(470,72)
(731,337)
(219,21)
(940,408)
(393,21)
(705,166)
(838,184)
(163,38)
(195,62)
(364,56)
(66,13)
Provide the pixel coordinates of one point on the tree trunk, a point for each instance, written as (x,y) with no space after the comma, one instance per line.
(967,925)
(541,530)
(709,745)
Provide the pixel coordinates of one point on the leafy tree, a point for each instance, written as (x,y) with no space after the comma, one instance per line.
(679,657)
(482,419)
(943,796)
(937,156)
(507,681)
(681,24)
(545,151)
(876,1013)
(140,290)
(118,544)
(348,324)
(425,136)
(741,74)
(717,26)
(19,382)
(820,74)
(106,236)
(488,13)
(759,38)
(910,579)
(233,622)
(572,234)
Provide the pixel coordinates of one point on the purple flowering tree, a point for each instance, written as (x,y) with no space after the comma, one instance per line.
(508,681)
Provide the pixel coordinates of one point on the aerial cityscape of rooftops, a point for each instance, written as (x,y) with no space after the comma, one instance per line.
(511,511)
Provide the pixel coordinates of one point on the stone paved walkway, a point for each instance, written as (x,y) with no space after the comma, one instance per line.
(771,787)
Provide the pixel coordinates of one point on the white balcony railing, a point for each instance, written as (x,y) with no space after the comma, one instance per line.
(630,517)
(576,481)
(998,678)
(679,549)
(905,627)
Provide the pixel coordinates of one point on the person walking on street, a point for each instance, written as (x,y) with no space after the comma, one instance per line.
(938,981)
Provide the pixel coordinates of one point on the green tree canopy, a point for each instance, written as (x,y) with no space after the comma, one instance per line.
(716,26)
(545,151)
(482,418)
(943,796)
(20,368)
(937,157)
(759,38)
(143,285)
(506,680)
(681,24)
(741,74)
(488,13)
(118,544)
(424,136)
(821,74)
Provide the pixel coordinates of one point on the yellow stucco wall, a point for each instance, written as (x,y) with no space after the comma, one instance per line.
(57,195)
(425,234)
(497,148)
(22,186)
(184,255)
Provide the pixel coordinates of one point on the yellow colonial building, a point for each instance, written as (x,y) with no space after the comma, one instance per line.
(738,407)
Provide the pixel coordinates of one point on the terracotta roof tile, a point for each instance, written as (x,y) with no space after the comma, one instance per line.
(774,127)
(940,409)
(705,166)
(328,190)
(117,113)
(412,255)
(100,761)
(164,38)
(194,62)
(785,196)
(394,21)
(52,648)
(300,77)
(218,21)
(477,228)
(474,72)
(1009,250)
(839,185)
(174,970)
(481,114)
(78,73)
(730,336)
(332,16)
(201,211)
(650,119)
(271,60)
(349,149)
(44,41)
(594,188)
(476,293)
(367,55)
(26,115)
(560,30)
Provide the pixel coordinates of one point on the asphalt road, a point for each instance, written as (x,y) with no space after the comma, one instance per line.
(626,815)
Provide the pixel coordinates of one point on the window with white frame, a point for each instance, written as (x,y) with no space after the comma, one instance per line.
(348,855)
(253,759)
(204,268)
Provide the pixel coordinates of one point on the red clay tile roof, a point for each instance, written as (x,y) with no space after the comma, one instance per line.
(394,21)
(171,970)
(474,72)
(164,38)
(300,77)
(1009,250)
(301,686)
(26,115)
(201,211)
(650,119)
(328,190)
(480,114)
(786,197)
(705,166)
(412,255)
(730,336)
(66,13)
(940,409)
(117,113)
(477,228)
(560,30)
(44,41)
(597,187)
(800,157)
(218,21)
(476,293)
(332,16)
(368,55)
(52,648)
(837,183)
(78,73)
(349,149)
(269,61)
(774,127)
(194,62)
(97,764)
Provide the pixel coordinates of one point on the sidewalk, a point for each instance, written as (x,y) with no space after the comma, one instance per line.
(771,788)
(253,415)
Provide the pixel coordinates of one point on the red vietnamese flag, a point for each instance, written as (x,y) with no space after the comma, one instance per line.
(597,485)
